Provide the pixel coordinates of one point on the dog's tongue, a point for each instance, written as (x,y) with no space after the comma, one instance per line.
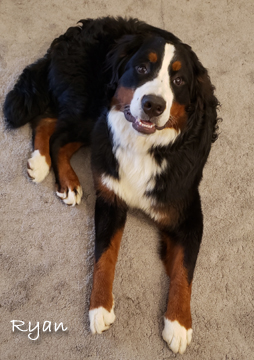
(143,126)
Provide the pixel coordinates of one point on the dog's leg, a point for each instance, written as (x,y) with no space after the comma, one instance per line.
(179,253)
(62,146)
(110,216)
(39,164)
(69,188)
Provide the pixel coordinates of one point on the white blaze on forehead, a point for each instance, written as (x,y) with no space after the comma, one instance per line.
(159,86)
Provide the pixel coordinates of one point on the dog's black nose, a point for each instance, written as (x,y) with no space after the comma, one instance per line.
(153,105)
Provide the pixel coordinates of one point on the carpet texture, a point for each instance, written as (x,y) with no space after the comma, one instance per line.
(46,255)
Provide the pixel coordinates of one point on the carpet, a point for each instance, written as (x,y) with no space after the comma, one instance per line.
(46,248)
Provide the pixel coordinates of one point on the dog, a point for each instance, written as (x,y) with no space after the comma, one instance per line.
(144,102)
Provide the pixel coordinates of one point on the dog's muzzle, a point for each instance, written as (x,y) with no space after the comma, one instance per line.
(152,107)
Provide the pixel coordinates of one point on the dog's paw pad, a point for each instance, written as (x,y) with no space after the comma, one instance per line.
(71,197)
(176,336)
(101,319)
(37,167)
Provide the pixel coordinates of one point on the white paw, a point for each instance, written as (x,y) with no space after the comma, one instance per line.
(101,319)
(71,197)
(176,336)
(37,167)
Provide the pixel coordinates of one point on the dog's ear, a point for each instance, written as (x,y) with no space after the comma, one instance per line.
(120,54)
(202,125)
(204,103)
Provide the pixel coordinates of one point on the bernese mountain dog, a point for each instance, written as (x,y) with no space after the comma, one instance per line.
(143,101)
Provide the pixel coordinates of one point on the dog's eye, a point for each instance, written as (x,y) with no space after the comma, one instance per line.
(178,81)
(141,69)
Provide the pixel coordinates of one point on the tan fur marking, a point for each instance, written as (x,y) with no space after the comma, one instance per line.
(180,290)
(103,277)
(103,191)
(178,116)
(166,215)
(176,66)
(67,176)
(43,133)
(122,97)
(153,57)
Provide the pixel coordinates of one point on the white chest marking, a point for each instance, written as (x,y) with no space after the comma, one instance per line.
(136,176)
(137,168)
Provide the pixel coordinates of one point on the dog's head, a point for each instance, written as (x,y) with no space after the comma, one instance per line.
(161,85)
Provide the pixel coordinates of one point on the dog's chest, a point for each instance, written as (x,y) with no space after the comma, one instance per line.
(137,173)
(137,169)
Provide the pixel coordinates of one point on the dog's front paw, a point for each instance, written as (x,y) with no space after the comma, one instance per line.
(101,319)
(71,196)
(37,167)
(176,336)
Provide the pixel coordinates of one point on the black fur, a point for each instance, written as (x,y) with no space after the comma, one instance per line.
(74,75)
(75,82)
(30,96)
(109,217)
(188,233)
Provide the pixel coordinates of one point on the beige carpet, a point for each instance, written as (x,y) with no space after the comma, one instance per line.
(46,251)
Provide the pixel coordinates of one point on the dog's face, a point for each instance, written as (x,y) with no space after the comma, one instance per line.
(154,86)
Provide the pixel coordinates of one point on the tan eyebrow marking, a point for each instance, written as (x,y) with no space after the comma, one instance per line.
(153,57)
(176,66)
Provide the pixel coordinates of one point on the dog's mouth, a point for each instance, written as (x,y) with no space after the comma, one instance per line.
(142,126)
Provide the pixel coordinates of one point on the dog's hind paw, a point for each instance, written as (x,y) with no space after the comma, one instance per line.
(176,336)
(101,319)
(71,196)
(37,167)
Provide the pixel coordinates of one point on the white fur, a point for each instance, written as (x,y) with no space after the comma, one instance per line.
(101,319)
(39,168)
(176,336)
(159,86)
(137,168)
(72,198)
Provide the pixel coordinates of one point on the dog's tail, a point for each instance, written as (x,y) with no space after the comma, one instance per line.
(30,96)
